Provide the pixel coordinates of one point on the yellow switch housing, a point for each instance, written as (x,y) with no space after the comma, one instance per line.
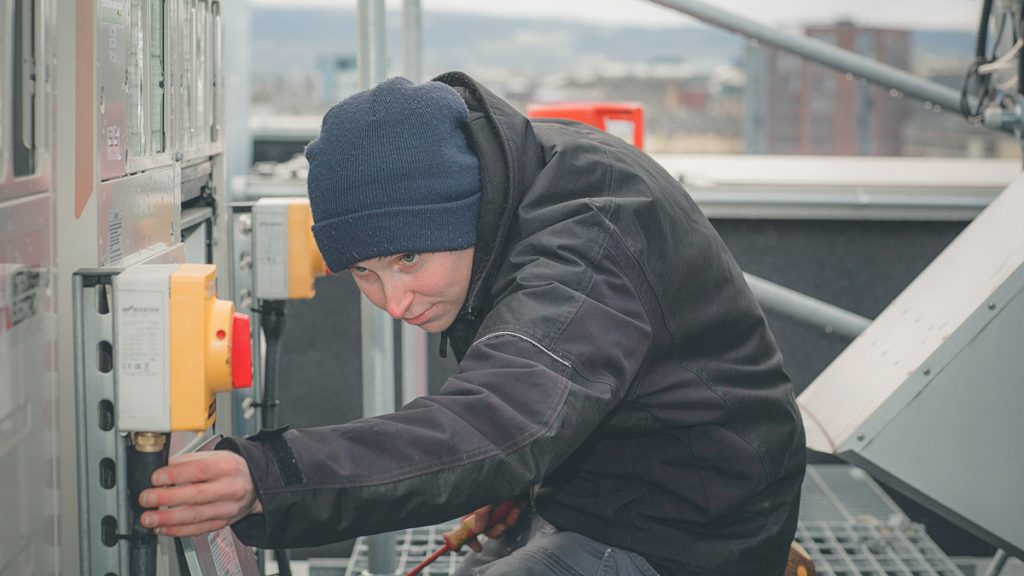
(305,264)
(200,346)
(286,257)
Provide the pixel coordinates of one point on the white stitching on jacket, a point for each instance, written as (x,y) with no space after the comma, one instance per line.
(546,351)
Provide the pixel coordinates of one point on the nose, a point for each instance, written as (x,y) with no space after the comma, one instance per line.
(397,298)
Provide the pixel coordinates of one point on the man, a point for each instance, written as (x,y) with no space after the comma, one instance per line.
(614,369)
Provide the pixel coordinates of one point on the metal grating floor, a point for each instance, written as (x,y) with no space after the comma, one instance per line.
(843,493)
(852,549)
(414,545)
(848,524)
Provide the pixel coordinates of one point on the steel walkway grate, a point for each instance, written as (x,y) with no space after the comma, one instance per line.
(413,546)
(848,525)
(852,549)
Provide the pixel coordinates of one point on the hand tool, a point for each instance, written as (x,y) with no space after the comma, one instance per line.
(454,540)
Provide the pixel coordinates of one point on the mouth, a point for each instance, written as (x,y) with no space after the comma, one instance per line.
(421,318)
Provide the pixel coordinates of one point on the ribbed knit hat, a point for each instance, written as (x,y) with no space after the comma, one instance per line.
(391,173)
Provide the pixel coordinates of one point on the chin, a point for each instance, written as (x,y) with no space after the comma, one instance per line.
(436,326)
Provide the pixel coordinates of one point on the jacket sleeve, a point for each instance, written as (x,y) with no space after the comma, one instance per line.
(551,360)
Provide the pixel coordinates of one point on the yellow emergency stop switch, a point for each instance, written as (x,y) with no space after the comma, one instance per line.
(201,338)
(176,346)
(287,258)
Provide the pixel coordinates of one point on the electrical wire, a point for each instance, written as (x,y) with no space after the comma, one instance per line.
(985,81)
(272,321)
(1004,61)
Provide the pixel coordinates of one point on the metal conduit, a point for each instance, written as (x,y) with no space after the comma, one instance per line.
(799,306)
(377,328)
(414,340)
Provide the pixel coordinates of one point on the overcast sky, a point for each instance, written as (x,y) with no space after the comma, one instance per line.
(919,14)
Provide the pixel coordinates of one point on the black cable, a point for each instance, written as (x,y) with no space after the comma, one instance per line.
(1020,57)
(141,464)
(982,39)
(272,316)
(982,83)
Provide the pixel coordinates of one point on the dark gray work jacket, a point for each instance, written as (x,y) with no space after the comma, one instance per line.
(613,364)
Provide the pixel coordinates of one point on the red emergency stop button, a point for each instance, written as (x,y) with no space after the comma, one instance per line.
(241,352)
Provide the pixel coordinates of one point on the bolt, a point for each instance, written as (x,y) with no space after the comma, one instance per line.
(927,371)
(860,437)
(991,305)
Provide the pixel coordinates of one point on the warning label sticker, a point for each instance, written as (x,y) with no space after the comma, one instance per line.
(225,559)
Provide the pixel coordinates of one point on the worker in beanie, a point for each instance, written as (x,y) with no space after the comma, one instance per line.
(617,380)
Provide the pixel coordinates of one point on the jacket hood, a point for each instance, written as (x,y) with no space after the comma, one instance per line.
(510,159)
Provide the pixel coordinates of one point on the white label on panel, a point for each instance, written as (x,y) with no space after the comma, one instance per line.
(141,354)
(271,235)
(113,140)
(115,237)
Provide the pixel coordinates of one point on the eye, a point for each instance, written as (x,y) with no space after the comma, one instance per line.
(358,270)
(408,258)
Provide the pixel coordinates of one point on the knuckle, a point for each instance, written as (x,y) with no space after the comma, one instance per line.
(203,468)
(201,494)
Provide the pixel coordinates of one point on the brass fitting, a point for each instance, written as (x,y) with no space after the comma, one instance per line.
(149,442)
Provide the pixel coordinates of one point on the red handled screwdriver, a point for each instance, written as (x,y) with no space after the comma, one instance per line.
(455,539)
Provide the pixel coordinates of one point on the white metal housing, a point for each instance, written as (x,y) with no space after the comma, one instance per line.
(929,396)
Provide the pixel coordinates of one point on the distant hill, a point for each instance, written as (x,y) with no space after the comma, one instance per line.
(289,40)
(938,45)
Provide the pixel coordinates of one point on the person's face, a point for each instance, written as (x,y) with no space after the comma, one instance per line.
(425,290)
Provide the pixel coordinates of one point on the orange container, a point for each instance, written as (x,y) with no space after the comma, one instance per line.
(596,114)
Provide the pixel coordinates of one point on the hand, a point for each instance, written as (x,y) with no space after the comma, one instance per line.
(205,491)
(490,522)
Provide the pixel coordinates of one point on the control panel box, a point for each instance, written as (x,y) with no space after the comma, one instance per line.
(176,346)
(286,257)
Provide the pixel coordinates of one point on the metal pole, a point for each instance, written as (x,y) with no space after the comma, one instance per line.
(824,53)
(363,50)
(376,326)
(414,340)
(995,568)
(414,362)
(238,91)
(802,307)
(412,27)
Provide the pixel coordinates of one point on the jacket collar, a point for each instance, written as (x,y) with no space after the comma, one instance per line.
(510,158)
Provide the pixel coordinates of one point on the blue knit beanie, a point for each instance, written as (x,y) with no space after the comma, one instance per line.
(391,173)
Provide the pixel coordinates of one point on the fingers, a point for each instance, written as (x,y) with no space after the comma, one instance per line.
(204,491)
(217,490)
(193,529)
(497,531)
(513,516)
(190,515)
(494,521)
(198,467)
